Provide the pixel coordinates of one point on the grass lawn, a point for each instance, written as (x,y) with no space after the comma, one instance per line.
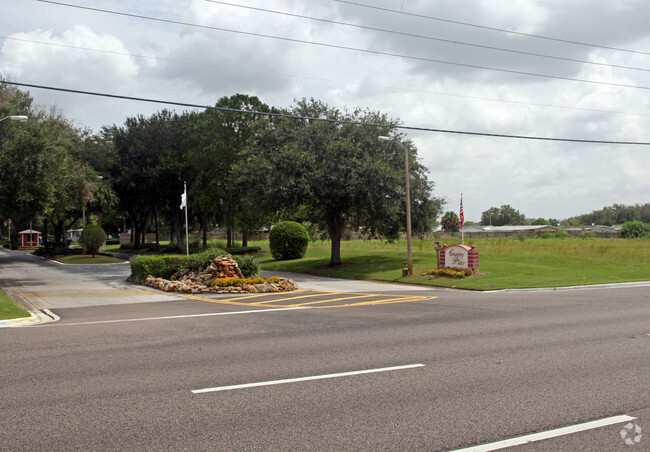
(503,263)
(9,309)
(88,259)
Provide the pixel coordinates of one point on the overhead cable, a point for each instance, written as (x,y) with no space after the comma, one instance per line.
(340,47)
(323,79)
(502,30)
(336,121)
(431,38)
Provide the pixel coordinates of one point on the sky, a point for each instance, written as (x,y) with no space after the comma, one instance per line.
(569,69)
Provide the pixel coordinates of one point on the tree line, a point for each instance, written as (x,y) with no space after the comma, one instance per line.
(244,171)
(506,215)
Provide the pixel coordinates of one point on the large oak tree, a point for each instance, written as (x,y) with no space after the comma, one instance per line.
(337,171)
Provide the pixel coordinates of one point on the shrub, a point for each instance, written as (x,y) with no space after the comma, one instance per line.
(635,229)
(238,250)
(288,240)
(156,266)
(92,237)
(203,259)
(248,265)
(164,266)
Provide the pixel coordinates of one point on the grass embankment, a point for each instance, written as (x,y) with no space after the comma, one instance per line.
(9,309)
(503,263)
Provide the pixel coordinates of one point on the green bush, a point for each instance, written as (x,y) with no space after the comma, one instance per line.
(635,229)
(238,250)
(248,265)
(92,237)
(288,240)
(203,259)
(164,266)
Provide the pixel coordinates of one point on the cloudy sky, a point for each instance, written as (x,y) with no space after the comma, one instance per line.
(577,69)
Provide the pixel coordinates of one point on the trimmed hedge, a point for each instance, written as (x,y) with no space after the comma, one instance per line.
(288,240)
(164,266)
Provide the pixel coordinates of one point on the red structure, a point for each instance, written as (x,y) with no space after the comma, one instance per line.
(29,238)
(459,256)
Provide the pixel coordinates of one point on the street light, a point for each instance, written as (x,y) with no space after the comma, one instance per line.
(15,118)
(408,206)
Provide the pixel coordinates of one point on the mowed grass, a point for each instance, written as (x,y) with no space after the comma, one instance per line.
(88,259)
(503,263)
(9,309)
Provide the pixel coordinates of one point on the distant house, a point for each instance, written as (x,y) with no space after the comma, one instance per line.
(29,238)
(73,235)
(523,228)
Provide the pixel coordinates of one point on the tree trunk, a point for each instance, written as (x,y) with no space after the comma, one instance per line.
(155,218)
(335,229)
(228,227)
(45,242)
(204,227)
(136,237)
(178,232)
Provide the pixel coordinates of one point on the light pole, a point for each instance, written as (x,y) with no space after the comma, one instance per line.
(15,118)
(408,205)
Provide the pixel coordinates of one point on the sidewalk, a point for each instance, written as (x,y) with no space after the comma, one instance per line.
(345,285)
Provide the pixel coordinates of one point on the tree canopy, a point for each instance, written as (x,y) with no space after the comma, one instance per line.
(503,216)
(450,222)
(337,173)
(243,170)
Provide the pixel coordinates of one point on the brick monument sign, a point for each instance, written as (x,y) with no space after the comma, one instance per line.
(459,256)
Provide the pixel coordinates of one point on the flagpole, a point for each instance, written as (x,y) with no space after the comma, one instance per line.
(187,233)
(462,221)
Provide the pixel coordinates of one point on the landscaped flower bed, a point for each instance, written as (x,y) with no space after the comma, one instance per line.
(449,272)
(222,276)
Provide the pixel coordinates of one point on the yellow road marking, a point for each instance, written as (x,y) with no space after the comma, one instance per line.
(329,300)
(383,299)
(293,298)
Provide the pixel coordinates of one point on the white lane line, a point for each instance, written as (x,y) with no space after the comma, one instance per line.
(313,377)
(549,434)
(170,317)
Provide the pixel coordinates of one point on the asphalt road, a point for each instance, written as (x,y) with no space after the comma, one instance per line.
(446,373)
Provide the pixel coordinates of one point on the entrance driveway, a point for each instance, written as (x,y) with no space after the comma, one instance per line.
(42,284)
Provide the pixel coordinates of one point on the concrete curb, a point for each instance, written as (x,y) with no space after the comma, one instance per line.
(35,318)
(586,287)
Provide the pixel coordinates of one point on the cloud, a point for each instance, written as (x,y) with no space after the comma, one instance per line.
(199,65)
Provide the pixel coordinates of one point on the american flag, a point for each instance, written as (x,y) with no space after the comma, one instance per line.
(462,214)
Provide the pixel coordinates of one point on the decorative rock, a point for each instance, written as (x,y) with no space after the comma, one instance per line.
(196,282)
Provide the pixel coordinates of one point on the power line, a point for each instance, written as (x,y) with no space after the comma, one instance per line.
(322,79)
(336,121)
(340,47)
(419,36)
(502,30)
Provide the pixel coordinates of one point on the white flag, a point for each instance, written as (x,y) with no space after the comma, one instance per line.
(184,199)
